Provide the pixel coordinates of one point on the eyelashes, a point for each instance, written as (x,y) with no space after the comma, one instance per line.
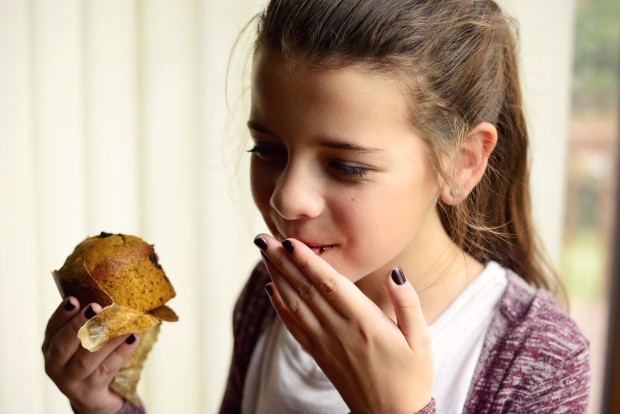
(345,170)
(349,170)
(267,153)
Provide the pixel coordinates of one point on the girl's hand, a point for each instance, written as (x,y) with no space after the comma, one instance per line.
(83,376)
(377,365)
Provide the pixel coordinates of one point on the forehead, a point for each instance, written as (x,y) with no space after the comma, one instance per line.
(267,60)
(349,92)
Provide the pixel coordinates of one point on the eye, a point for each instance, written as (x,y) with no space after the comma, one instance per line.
(268,152)
(348,171)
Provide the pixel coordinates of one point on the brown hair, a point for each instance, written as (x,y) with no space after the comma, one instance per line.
(458,60)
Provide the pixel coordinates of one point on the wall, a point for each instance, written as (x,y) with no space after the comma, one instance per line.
(546,41)
(113,117)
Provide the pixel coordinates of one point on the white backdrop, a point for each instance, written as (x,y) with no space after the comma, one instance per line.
(113,118)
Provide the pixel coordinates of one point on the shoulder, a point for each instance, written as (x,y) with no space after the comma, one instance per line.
(535,356)
(535,322)
(535,315)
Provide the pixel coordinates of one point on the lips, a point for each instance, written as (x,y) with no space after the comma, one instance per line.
(319,250)
(318,245)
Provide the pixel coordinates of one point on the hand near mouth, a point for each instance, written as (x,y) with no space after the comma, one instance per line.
(375,364)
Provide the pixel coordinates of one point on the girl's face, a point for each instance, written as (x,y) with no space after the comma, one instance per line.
(336,165)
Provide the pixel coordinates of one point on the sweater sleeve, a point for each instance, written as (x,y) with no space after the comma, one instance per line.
(127,408)
(429,409)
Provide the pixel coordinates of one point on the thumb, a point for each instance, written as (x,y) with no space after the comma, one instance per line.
(406,303)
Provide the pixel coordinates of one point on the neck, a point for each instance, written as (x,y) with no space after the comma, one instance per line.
(438,278)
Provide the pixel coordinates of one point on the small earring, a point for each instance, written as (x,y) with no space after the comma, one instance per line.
(456,192)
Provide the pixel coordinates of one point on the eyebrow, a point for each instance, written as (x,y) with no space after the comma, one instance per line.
(336,144)
(259,128)
(345,146)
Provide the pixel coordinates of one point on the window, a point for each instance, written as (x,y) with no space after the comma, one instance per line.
(592,171)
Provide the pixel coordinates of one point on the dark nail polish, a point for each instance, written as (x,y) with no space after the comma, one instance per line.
(69,306)
(269,289)
(130,339)
(398,276)
(288,246)
(261,243)
(89,312)
(264,256)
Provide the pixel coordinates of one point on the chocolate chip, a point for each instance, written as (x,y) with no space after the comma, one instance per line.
(103,234)
(155,260)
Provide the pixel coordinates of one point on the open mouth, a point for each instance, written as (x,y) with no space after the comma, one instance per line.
(319,250)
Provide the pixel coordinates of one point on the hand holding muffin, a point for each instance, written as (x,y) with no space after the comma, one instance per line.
(114,288)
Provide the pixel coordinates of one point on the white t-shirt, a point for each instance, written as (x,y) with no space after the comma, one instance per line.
(458,335)
(283,378)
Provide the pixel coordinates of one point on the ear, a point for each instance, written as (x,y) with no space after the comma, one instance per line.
(470,163)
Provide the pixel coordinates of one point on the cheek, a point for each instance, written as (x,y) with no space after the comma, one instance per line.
(381,225)
(365,221)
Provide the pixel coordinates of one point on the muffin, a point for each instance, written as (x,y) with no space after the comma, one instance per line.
(122,274)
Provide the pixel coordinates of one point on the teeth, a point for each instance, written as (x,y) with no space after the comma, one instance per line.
(320,250)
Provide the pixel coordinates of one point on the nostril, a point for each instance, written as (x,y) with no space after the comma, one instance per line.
(297,207)
(284,201)
(296,195)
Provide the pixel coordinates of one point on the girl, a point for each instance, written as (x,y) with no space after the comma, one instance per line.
(390,166)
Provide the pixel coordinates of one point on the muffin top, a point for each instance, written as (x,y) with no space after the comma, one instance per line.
(117,268)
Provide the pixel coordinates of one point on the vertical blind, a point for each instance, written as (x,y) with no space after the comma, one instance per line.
(113,118)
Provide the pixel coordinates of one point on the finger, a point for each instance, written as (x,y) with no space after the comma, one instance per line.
(322,307)
(309,274)
(111,358)
(68,308)
(290,302)
(65,342)
(287,319)
(84,363)
(406,303)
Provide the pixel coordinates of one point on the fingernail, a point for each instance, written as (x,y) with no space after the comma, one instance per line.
(269,289)
(130,339)
(288,246)
(89,312)
(261,243)
(69,306)
(398,276)
(264,256)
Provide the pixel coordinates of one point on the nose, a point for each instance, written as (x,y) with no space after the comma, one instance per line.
(297,194)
